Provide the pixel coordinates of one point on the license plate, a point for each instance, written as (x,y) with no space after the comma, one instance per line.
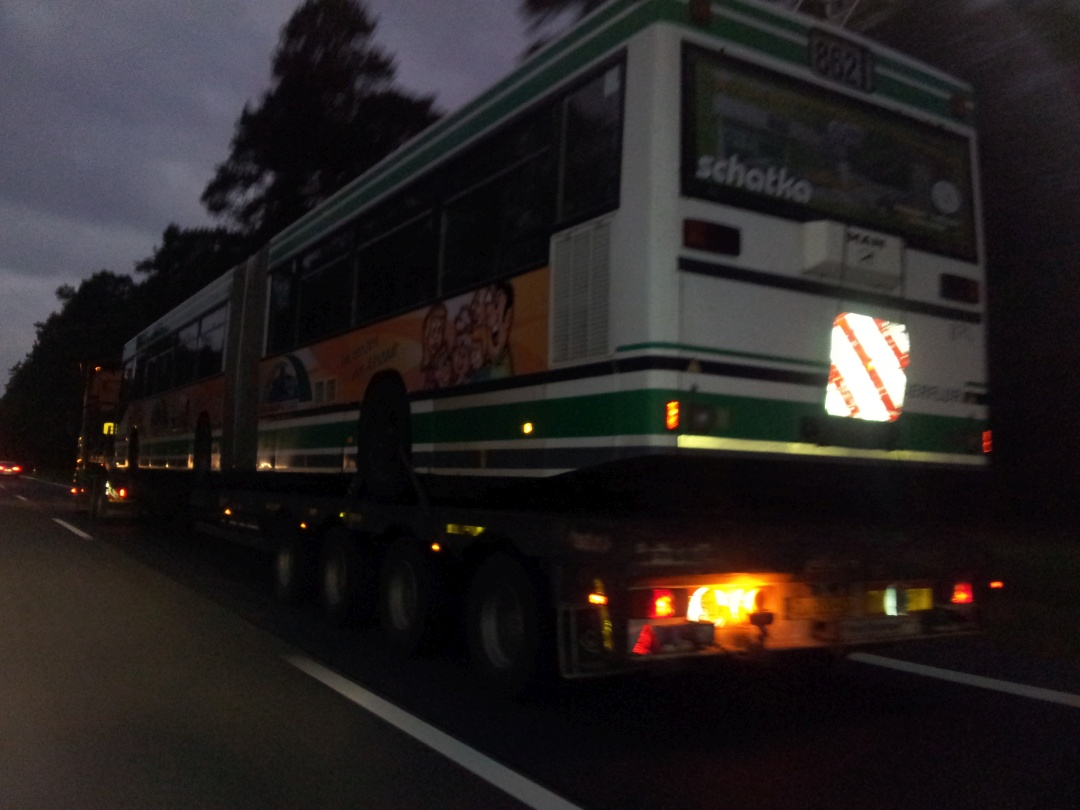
(820,607)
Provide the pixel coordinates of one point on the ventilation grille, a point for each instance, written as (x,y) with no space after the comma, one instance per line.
(580,277)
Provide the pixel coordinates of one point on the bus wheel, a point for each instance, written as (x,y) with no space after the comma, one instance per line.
(384,440)
(293,567)
(341,577)
(504,626)
(409,598)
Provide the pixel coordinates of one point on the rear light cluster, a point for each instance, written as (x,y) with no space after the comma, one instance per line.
(678,619)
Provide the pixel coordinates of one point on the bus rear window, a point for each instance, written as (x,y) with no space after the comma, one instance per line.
(757,139)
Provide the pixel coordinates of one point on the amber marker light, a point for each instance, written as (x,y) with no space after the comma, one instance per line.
(436,547)
(527,428)
(671,415)
(597,599)
(997,584)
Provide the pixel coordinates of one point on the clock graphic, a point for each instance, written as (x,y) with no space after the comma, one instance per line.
(945,196)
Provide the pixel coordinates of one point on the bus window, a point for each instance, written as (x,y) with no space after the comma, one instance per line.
(591,147)
(212,342)
(281,332)
(324,304)
(398,271)
(184,355)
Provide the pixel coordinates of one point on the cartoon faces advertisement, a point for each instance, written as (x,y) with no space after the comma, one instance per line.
(496,331)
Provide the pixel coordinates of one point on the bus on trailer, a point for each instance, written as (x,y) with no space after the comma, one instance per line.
(720,248)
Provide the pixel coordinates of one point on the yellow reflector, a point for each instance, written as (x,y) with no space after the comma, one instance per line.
(527,428)
(671,415)
(920,599)
(458,528)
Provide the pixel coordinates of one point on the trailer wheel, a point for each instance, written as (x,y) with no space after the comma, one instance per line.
(504,626)
(409,598)
(340,577)
(294,573)
(384,440)
(99,504)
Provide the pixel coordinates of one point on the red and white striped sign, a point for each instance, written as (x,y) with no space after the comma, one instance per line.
(867,379)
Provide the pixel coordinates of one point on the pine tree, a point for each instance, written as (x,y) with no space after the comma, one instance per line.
(332,111)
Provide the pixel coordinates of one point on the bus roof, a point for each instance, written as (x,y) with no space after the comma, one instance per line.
(773,32)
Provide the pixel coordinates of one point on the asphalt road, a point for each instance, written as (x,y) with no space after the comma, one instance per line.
(151,669)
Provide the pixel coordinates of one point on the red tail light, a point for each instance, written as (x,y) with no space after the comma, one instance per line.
(962,594)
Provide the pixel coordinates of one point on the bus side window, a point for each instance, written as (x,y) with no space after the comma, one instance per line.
(397,271)
(281,333)
(591,147)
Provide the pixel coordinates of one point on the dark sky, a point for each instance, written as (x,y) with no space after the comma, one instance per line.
(113,114)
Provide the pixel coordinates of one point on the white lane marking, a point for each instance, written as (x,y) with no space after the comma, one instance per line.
(1021,689)
(22,498)
(506,780)
(74,530)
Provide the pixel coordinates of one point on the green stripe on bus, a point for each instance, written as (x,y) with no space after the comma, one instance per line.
(299,437)
(641,413)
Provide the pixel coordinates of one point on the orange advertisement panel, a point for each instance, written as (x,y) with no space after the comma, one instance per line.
(176,411)
(496,331)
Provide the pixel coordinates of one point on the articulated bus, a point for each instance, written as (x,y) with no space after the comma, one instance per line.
(719,251)
(713,228)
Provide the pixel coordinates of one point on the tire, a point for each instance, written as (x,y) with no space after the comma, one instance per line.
(340,578)
(294,568)
(99,504)
(384,440)
(410,599)
(505,627)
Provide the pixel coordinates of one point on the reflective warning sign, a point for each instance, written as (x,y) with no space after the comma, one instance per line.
(868,375)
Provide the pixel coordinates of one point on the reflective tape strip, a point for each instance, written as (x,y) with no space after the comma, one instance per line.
(867,378)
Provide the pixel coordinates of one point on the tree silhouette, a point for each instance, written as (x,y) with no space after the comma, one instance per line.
(186,261)
(331,113)
(39,414)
